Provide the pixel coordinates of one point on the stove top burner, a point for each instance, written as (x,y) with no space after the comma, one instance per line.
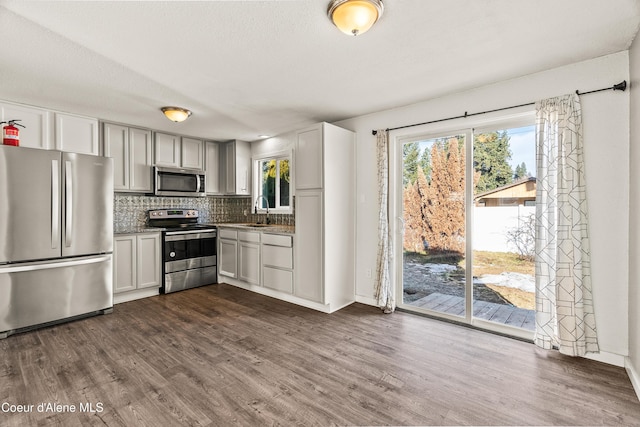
(176,220)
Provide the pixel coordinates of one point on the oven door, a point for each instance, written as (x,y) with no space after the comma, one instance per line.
(186,250)
(179,182)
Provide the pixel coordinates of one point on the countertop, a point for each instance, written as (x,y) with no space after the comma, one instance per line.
(272,228)
(136,230)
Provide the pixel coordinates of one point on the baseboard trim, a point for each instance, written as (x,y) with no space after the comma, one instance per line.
(366,300)
(325,308)
(608,358)
(633,376)
(134,295)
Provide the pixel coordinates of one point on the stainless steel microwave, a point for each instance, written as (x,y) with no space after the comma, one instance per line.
(179,182)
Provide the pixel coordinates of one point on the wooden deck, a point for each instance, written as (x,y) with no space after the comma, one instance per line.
(499,313)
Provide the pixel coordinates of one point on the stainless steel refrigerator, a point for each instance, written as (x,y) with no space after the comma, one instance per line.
(56,236)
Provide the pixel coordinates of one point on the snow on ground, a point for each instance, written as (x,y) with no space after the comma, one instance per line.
(521,281)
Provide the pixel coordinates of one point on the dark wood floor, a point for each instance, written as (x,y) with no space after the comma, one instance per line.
(220,355)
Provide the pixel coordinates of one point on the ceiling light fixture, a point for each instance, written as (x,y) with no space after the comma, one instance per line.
(176,114)
(355,17)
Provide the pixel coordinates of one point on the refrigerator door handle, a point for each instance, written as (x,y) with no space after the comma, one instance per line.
(35,266)
(68,183)
(55,203)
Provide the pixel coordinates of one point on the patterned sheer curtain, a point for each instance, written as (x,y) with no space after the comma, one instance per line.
(383,293)
(564,304)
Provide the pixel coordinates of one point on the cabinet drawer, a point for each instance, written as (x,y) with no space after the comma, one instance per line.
(249,236)
(225,233)
(277,256)
(277,240)
(280,280)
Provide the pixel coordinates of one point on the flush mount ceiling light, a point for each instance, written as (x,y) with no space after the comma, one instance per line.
(176,114)
(354,17)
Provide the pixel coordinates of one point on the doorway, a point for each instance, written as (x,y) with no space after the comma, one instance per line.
(465,204)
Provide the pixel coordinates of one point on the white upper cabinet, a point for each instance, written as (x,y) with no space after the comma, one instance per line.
(212,167)
(76,134)
(49,130)
(192,153)
(237,167)
(308,158)
(37,131)
(167,150)
(131,150)
(140,160)
(116,146)
(178,152)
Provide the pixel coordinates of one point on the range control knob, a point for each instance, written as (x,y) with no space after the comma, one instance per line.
(172,254)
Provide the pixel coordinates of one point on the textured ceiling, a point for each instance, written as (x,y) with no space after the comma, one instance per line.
(265,67)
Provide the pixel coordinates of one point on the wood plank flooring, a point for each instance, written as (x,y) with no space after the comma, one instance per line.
(499,313)
(219,356)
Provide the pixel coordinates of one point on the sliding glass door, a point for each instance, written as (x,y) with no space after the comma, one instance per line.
(433,201)
(467,211)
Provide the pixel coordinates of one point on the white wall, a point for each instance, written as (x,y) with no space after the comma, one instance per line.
(606,136)
(633,362)
(276,144)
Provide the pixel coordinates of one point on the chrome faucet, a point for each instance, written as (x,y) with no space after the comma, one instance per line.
(255,207)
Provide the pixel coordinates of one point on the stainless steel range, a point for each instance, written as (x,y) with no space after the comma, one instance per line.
(189,249)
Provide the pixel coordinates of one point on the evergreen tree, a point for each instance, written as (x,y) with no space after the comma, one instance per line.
(425,164)
(521,172)
(415,197)
(410,155)
(491,155)
(445,204)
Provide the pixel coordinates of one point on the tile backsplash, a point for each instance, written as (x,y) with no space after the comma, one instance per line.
(130,210)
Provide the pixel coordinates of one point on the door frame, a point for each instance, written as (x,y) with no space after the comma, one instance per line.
(464,126)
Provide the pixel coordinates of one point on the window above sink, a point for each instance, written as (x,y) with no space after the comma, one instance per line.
(272,183)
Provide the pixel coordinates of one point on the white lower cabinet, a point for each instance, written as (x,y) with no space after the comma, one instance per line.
(255,258)
(309,239)
(136,262)
(228,253)
(277,262)
(249,256)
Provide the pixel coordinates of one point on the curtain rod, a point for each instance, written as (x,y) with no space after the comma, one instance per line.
(622,86)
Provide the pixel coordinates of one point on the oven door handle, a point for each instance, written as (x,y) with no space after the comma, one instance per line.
(185,235)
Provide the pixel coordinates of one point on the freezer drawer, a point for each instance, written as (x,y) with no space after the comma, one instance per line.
(35,293)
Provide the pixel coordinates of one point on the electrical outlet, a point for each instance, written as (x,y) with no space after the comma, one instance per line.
(368,273)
